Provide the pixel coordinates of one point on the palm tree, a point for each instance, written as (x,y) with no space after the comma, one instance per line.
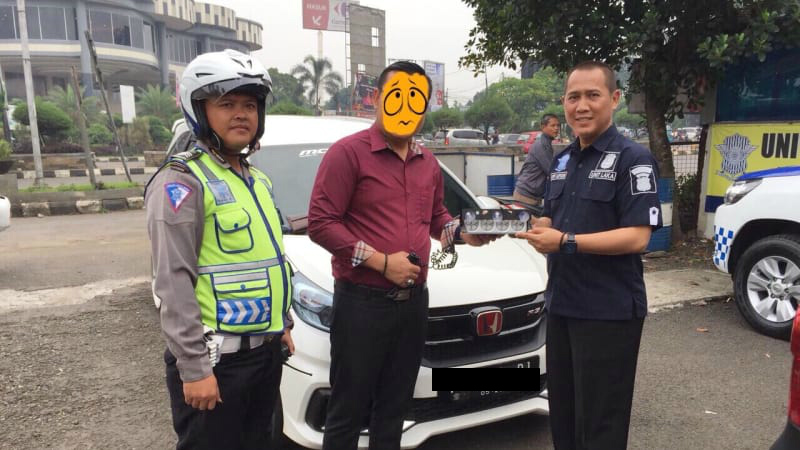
(156,101)
(317,75)
(65,100)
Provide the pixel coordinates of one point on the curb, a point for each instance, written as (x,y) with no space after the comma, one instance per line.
(118,159)
(54,208)
(69,173)
(690,302)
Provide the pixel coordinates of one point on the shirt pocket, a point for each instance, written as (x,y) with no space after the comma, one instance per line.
(425,205)
(598,191)
(556,189)
(233,231)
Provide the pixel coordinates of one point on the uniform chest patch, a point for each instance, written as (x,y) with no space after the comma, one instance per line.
(643,180)
(221,192)
(177,193)
(560,170)
(606,167)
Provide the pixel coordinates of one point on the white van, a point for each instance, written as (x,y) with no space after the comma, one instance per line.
(507,274)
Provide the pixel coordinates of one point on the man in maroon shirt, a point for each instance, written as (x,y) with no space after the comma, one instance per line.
(377,201)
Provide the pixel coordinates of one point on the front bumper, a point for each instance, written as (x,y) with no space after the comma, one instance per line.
(308,370)
(724,233)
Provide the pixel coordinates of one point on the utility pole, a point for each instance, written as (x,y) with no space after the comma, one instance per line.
(99,75)
(6,127)
(82,127)
(26,67)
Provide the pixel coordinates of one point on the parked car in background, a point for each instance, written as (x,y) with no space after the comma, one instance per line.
(790,438)
(508,139)
(5,213)
(690,133)
(460,136)
(290,155)
(526,139)
(424,139)
(757,241)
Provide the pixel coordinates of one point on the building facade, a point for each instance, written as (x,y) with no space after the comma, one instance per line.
(138,42)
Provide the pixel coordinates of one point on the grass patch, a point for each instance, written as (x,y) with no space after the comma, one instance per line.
(82,187)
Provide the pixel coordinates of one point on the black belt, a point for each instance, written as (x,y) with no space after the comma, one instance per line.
(397,294)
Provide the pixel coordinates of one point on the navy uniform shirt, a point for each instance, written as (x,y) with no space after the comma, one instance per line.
(609,184)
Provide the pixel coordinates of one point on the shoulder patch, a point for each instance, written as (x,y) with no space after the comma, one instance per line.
(177,193)
(643,180)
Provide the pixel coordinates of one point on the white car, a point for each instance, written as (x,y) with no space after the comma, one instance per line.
(5,213)
(757,241)
(507,274)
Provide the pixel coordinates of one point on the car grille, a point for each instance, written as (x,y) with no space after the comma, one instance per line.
(452,340)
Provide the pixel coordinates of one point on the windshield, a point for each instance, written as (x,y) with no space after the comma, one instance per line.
(292,169)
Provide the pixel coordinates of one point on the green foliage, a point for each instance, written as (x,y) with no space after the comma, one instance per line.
(489,111)
(287,107)
(99,135)
(341,101)
(675,47)
(53,122)
(686,199)
(138,135)
(285,88)
(5,149)
(156,101)
(316,76)
(528,98)
(447,118)
(158,132)
(65,100)
(101,185)
(428,126)
(623,118)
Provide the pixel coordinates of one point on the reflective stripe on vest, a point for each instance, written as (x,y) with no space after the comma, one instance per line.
(243,278)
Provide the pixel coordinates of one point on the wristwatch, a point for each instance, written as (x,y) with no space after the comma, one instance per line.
(570,245)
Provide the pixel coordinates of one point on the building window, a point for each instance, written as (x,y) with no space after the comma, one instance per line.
(244,35)
(376,37)
(72,24)
(122,29)
(166,9)
(137,32)
(53,23)
(208,8)
(216,19)
(148,37)
(197,17)
(34,31)
(101,26)
(8,22)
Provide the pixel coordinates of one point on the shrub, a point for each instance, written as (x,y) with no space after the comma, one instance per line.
(158,132)
(686,189)
(5,149)
(100,135)
(54,124)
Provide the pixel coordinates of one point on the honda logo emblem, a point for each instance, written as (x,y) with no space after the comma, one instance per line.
(487,321)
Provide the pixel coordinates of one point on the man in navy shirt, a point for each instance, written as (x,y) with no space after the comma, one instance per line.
(600,207)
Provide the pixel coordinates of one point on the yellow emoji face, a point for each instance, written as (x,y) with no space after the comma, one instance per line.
(404,100)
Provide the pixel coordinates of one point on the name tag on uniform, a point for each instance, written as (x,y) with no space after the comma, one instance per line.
(557,176)
(221,192)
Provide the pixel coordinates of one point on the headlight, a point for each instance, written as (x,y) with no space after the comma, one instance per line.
(739,189)
(311,303)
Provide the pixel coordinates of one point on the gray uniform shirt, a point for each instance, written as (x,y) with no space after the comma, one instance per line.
(175,226)
(533,175)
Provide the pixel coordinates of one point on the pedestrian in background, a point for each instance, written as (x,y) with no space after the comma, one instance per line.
(377,201)
(221,280)
(600,207)
(531,180)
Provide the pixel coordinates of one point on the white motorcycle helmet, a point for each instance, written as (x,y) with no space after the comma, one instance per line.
(213,75)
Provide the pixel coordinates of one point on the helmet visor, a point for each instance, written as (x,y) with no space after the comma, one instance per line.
(257,87)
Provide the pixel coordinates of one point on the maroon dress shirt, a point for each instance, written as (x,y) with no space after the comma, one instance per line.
(365,194)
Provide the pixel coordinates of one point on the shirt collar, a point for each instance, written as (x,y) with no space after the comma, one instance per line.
(377,142)
(602,142)
(215,155)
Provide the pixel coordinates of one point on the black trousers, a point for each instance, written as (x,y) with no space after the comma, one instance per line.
(591,368)
(249,382)
(376,350)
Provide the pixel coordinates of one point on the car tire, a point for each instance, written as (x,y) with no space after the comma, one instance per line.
(769,307)
(278,440)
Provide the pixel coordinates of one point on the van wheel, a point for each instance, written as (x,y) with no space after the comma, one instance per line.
(278,440)
(767,284)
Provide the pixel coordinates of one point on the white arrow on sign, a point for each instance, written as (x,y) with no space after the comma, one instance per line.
(317,20)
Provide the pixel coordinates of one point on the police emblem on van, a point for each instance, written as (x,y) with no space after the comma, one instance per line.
(734,149)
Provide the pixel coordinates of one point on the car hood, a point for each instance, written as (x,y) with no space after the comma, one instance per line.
(505,268)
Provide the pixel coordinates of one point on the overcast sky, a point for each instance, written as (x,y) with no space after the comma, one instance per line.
(434,30)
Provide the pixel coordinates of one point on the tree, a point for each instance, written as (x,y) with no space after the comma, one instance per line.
(289,108)
(99,135)
(285,87)
(487,112)
(316,76)
(341,100)
(64,99)
(528,98)
(447,118)
(158,132)
(623,118)
(156,101)
(53,122)
(675,48)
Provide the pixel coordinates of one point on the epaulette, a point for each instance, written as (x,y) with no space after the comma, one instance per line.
(178,161)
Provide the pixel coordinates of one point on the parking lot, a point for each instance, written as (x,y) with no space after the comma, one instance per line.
(89,375)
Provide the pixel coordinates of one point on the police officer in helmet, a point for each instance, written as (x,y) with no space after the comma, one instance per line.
(221,279)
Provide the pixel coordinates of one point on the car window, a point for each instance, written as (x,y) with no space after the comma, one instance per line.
(292,169)
(462,134)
